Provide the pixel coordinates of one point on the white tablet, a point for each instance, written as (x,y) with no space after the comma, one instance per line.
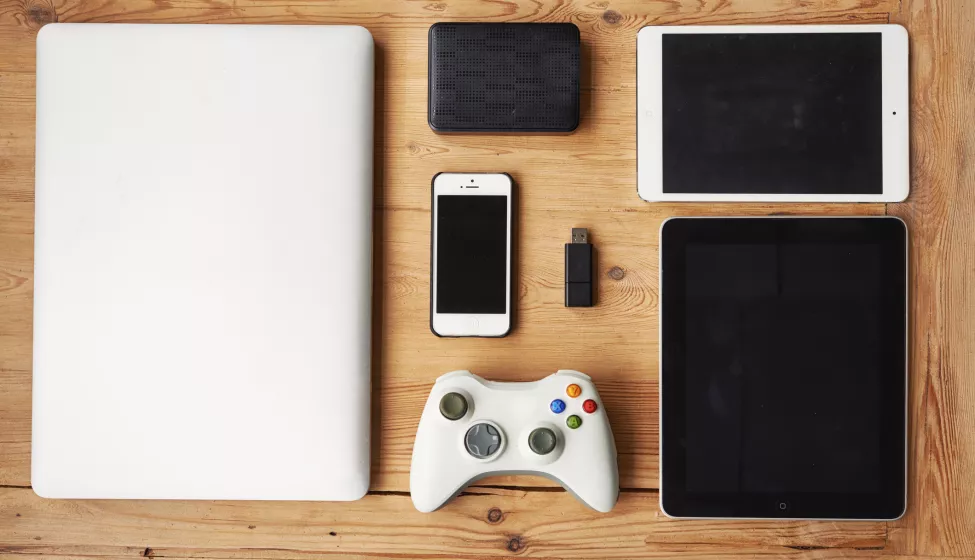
(773,113)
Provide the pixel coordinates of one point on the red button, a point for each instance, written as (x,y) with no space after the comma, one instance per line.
(589,406)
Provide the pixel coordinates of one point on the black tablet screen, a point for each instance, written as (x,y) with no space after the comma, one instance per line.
(772,113)
(791,355)
(782,367)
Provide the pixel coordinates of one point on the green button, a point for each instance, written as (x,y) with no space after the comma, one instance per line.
(453,406)
(573,421)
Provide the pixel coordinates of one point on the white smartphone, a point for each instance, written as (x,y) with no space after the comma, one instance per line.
(470,265)
(773,113)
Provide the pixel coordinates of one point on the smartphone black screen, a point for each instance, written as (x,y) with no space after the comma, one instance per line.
(472,259)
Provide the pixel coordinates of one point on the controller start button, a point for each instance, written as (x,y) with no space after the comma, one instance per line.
(573,390)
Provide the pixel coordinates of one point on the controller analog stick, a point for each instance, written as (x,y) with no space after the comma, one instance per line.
(542,441)
(453,406)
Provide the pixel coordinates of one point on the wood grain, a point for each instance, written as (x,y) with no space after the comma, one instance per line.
(491,522)
(585,179)
(939,215)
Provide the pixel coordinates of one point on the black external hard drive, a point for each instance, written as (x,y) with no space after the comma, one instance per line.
(503,77)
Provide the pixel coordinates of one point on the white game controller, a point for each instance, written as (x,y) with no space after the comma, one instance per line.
(472,428)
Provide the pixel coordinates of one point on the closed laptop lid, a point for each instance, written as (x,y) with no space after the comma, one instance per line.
(203,254)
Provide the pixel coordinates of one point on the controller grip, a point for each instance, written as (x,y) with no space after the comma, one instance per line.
(590,472)
(433,482)
(598,489)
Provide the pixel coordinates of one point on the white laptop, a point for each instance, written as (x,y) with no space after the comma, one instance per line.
(203,256)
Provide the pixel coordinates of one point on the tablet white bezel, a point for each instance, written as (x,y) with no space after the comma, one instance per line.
(896,163)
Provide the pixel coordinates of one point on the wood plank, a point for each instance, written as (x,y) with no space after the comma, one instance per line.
(174,553)
(615,341)
(535,524)
(939,216)
(602,152)
(661,553)
(586,178)
(16,137)
(583,179)
(16,297)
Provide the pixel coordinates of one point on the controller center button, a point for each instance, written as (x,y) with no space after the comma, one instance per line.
(589,406)
(453,406)
(482,440)
(573,390)
(542,441)
(557,406)
(573,421)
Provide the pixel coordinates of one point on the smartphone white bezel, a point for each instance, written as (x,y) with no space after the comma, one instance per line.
(470,324)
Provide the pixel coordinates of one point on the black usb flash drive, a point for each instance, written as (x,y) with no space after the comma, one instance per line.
(578,270)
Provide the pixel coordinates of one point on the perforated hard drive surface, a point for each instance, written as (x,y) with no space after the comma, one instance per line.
(503,77)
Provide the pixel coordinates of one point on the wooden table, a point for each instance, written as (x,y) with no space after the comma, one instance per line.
(584,179)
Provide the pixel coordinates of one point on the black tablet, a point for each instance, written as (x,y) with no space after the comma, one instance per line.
(783,367)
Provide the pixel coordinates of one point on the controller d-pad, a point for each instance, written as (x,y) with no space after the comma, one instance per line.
(482,440)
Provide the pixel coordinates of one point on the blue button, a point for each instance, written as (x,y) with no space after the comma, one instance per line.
(557,406)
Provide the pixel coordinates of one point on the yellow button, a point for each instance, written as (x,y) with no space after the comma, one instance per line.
(573,390)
